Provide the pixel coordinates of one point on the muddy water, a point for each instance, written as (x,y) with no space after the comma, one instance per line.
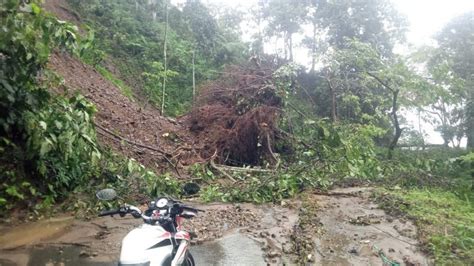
(228,251)
(32,233)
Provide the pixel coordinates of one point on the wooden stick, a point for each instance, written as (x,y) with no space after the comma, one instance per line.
(243,169)
(163,153)
(213,164)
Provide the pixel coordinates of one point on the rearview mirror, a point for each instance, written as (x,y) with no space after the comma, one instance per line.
(190,189)
(106,194)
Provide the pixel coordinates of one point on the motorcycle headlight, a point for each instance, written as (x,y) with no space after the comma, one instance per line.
(161,203)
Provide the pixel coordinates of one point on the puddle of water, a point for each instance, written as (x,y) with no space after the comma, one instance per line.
(32,233)
(234,249)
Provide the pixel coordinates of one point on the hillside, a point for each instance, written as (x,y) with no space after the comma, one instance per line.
(119,116)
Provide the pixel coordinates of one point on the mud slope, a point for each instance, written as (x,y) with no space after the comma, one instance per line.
(122,116)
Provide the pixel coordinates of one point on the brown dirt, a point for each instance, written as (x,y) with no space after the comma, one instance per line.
(61,9)
(124,117)
(234,120)
(344,227)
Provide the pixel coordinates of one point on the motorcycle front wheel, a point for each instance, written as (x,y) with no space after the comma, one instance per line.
(189,260)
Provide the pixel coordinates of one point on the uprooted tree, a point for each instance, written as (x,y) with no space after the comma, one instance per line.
(236,117)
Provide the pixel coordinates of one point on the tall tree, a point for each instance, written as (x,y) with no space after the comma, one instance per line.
(284,18)
(373,21)
(456,41)
(165,60)
(384,84)
(445,99)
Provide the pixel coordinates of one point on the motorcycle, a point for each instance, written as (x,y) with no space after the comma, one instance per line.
(160,240)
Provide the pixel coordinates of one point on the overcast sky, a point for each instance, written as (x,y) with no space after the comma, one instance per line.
(425,17)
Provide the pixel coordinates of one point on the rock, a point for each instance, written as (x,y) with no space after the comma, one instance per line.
(83,253)
(354,251)
(286,248)
(273,254)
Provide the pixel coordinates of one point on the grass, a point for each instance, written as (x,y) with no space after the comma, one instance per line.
(126,90)
(445,220)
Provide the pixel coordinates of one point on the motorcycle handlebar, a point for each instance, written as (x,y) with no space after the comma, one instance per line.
(192,209)
(137,213)
(109,212)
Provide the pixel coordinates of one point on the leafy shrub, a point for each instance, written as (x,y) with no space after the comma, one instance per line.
(47,143)
(133,180)
(62,143)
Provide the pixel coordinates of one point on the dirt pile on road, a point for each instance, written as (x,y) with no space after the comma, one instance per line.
(235,117)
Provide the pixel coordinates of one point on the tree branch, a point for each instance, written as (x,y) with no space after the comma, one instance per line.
(380,81)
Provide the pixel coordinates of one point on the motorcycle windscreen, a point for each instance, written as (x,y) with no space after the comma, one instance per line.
(144,244)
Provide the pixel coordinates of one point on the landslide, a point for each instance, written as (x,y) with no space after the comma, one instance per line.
(121,121)
(234,120)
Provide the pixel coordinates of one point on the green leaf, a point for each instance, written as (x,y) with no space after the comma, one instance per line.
(58,124)
(35,8)
(43,125)
(45,147)
(13,192)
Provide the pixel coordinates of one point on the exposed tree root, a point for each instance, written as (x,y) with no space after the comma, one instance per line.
(236,117)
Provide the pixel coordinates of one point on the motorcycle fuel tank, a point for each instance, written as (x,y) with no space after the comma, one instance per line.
(146,245)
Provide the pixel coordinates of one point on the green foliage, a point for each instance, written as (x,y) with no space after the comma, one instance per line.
(47,143)
(202,171)
(376,22)
(88,50)
(131,34)
(341,151)
(272,187)
(26,39)
(62,143)
(327,154)
(456,43)
(154,82)
(132,180)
